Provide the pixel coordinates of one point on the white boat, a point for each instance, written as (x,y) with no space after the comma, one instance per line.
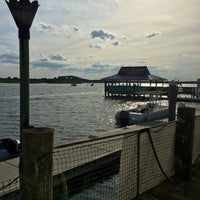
(143,113)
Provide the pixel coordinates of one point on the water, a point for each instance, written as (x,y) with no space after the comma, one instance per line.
(73,111)
(106,189)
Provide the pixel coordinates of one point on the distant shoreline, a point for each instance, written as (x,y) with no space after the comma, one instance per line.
(51,80)
(72,79)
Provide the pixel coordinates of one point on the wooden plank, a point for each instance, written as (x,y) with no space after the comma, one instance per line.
(177,189)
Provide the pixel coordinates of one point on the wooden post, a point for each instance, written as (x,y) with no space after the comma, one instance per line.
(172,100)
(105,89)
(36,164)
(184,142)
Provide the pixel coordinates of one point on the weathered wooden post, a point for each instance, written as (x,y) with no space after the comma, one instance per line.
(184,142)
(172,95)
(36,164)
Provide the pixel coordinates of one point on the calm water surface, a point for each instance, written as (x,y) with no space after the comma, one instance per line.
(73,111)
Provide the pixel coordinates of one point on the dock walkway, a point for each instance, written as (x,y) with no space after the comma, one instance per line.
(177,189)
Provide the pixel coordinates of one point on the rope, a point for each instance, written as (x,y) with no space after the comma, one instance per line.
(5,186)
(156,156)
(12,164)
(146,130)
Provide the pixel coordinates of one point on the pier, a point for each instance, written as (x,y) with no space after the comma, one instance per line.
(143,91)
(136,83)
(81,164)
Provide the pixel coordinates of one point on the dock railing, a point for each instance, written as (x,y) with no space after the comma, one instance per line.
(137,159)
(117,165)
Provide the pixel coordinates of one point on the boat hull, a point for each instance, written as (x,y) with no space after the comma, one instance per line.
(125,118)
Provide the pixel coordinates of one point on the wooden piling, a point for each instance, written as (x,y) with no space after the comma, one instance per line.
(172,95)
(184,142)
(36,164)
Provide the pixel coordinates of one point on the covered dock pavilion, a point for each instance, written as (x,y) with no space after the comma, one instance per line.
(134,81)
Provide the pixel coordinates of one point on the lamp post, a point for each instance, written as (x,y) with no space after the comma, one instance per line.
(23,12)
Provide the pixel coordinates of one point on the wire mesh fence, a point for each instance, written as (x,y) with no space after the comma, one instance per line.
(147,159)
(35,179)
(116,166)
(9,189)
(87,165)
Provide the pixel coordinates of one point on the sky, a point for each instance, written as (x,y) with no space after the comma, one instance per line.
(94,38)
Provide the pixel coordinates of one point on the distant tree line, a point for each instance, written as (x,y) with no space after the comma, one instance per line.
(60,79)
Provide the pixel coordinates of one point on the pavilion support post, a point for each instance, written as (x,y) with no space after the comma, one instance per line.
(172,95)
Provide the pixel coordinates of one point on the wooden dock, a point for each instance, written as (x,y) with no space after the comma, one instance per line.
(177,189)
(131,91)
(10,169)
(76,164)
(109,155)
(75,167)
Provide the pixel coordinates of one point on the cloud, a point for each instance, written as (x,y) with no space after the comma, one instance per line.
(47,64)
(102,35)
(102,45)
(105,39)
(52,29)
(95,46)
(9,58)
(150,35)
(111,31)
(45,26)
(116,43)
(52,62)
(95,69)
(58,58)
(100,65)
(85,58)
(75,28)
(102,68)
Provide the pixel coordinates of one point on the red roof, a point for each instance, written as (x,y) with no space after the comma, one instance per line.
(133,73)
